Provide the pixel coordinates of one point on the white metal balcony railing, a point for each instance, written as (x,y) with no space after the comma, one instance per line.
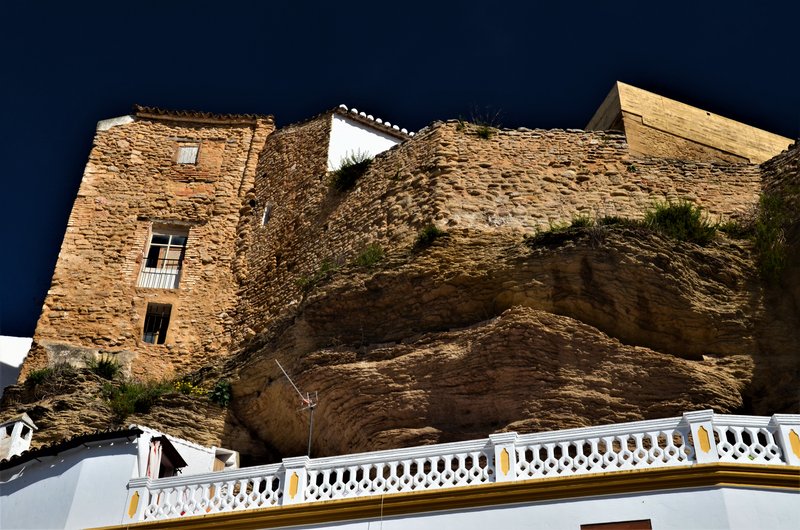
(696,437)
(160,274)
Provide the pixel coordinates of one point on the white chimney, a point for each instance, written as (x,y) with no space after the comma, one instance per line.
(16,435)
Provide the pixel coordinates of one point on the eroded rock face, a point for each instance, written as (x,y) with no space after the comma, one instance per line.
(484,333)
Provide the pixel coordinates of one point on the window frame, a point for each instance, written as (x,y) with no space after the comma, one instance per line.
(158,269)
(158,322)
(184,147)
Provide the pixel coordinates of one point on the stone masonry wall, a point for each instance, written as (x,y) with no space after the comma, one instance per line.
(131,182)
(517,180)
(529,179)
(310,223)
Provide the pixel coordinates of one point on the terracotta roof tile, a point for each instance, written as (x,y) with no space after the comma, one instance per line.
(196,115)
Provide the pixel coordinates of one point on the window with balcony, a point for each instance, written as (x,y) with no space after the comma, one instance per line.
(161,268)
(156,322)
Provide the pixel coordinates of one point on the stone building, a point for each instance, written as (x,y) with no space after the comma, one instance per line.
(191,231)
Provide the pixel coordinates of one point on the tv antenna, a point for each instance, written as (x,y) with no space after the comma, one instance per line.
(307,402)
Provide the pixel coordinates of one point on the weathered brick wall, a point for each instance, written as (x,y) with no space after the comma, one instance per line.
(520,180)
(131,181)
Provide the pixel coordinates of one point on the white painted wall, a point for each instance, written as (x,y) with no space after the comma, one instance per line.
(12,352)
(199,459)
(80,488)
(349,136)
(701,509)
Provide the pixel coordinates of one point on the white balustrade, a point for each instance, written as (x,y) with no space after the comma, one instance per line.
(397,471)
(241,489)
(746,439)
(695,438)
(637,445)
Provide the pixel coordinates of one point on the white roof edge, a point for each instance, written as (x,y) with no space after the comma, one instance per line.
(175,439)
(104,125)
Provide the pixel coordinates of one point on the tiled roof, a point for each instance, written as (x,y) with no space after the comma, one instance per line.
(361,117)
(196,115)
(370,120)
(65,445)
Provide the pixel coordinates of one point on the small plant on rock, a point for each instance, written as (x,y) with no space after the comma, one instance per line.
(428,235)
(132,396)
(106,366)
(371,255)
(221,393)
(49,374)
(351,168)
(682,220)
(187,387)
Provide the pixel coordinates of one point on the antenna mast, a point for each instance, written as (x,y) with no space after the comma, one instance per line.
(308,402)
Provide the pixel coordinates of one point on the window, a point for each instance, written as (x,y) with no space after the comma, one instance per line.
(187,154)
(156,322)
(163,260)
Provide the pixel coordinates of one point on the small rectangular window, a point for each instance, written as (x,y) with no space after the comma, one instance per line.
(156,322)
(187,154)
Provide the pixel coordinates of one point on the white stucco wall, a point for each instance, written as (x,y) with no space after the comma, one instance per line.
(701,509)
(199,459)
(349,136)
(80,488)
(12,352)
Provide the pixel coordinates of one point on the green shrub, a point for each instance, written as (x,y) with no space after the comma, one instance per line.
(428,235)
(683,221)
(770,236)
(581,221)
(351,168)
(37,377)
(221,393)
(106,366)
(134,396)
(484,131)
(737,229)
(49,374)
(371,255)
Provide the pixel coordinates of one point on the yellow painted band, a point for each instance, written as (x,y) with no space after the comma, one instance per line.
(696,476)
(293,481)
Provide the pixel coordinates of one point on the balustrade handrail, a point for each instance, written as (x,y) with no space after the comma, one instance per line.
(211,476)
(617,429)
(770,443)
(422,451)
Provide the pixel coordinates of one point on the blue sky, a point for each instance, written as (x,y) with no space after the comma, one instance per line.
(542,64)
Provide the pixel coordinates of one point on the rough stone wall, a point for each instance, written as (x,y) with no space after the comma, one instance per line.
(519,180)
(310,223)
(529,179)
(132,181)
